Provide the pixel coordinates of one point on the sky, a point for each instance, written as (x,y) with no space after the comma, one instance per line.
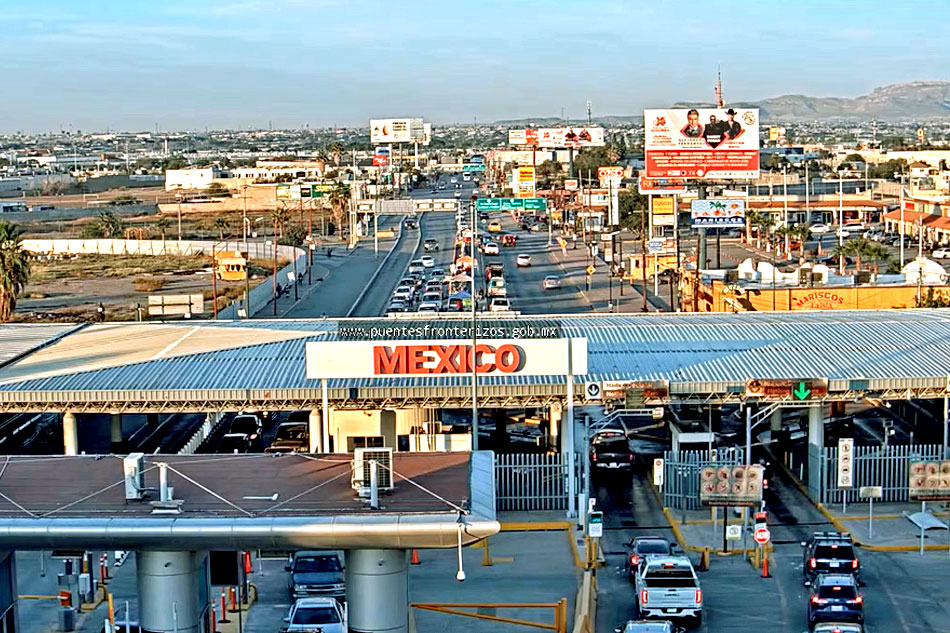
(133,65)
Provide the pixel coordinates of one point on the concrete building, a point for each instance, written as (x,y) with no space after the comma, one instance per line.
(200,178)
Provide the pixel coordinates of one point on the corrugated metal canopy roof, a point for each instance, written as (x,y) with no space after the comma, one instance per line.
(681,348)
(16,340)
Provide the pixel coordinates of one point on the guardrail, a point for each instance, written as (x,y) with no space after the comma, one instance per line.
(585,604)
(201,433)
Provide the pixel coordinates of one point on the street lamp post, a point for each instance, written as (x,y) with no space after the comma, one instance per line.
(785,203)
(178,197)
(474,335)
(840,222)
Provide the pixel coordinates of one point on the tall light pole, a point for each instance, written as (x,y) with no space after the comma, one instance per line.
(474,357)
(901,227)
(840,222)
(245,216)
(785,201)
(178,196)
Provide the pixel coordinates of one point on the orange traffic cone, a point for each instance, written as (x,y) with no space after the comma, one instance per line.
(415,557)
(765,563)
(248,568)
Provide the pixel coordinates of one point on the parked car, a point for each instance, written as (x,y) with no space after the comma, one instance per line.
(499,304)
(835,597)
(234,443)
(640,547)
(315,573)
(828,553)
(819,229)
(325,615)
(667,587)
(523,260)
(941,253)
(551,282)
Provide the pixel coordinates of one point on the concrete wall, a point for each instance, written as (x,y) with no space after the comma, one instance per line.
(260,294)
(817,298)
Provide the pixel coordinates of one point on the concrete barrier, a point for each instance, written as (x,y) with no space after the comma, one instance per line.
(585,604)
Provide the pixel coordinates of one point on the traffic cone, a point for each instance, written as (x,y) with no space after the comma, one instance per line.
(415,557)
(704,560)
(248,568)
(765,564)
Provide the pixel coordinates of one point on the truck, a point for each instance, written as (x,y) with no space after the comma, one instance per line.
(667,587)
(497,287)
(494,270)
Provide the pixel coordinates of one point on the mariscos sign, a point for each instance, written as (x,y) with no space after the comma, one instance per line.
(417,358)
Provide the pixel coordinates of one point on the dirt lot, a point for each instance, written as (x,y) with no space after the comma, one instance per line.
(70,288)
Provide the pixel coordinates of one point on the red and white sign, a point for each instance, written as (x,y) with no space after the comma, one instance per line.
(380,160)
(660,186)
(558,137)
(762,536)
(610,176)
(451,357)
(571,184)
(702,143)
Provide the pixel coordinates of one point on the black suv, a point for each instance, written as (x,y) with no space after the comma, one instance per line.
(835,597)
(643,546)
(829,553)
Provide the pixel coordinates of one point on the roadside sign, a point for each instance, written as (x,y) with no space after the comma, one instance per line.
(595,524)
(798,389)
(658,472)
(762,536)
(845,462)
(473,167)
(730,485)
(760,520)
(592,390)
(930,481)
(871,492)
(511,204)
(590,269)
(651,389)
(733,532)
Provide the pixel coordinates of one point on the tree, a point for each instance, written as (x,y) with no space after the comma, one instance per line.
(876,253)
(217,189)
(281,217)
(801,232)
(633,208)
(588,160)
(14,268)
(108,224)
(162,224)
(336,151)
(221,225)
(853,158)
(339,197)
(548,171)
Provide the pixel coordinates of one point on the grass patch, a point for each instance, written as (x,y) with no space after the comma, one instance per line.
(148,284)
(94,266)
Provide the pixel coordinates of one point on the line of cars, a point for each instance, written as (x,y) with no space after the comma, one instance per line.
(665,583)
(317,588)
(423,289)
(245,433)
(831,571)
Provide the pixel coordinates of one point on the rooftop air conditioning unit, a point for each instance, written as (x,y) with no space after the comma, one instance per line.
(361,468)
(133,468)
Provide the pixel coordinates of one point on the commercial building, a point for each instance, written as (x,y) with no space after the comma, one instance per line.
(201,178)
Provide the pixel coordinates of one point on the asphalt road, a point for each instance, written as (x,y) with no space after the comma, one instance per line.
(904,591)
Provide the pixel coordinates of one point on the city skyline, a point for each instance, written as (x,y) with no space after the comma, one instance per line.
(292,63)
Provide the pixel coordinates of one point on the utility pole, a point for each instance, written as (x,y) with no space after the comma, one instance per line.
(275,265)
(785,204)
(643,259)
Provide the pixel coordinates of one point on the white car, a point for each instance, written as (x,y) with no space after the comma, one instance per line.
(316,614)
(551,282)
(490,249)
(429,306)
(819,229)
(941,253)
(499,304)
(427,261)
(523,260)
(416,266)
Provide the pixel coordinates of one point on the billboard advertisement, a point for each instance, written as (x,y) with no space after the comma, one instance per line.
(558,137)
(717,212)
(444,357)
(396,130)
(660,186)
(610,176)
(524,182)
(705,143)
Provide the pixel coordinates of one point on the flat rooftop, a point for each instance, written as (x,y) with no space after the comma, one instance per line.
(226,485)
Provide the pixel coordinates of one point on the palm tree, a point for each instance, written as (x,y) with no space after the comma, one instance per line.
(876,253)
(844,250)
(801,232)
(14,268)
(221,225)
(764,224)
(281,216)
(336,151)
(751,219)
(339,197)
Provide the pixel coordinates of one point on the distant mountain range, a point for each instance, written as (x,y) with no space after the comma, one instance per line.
(916,100)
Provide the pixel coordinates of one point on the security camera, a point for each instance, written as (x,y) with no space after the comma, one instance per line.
(460,576)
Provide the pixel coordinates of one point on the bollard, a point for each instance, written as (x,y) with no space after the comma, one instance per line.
(415,557)
(232,597)
(704,560)
(765,563)
(248,568)
(214,620)
(224,613)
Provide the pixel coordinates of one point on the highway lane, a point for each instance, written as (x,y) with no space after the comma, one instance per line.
(524,284)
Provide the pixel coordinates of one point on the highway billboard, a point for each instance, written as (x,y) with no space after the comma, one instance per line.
(396,130)
(558,137)
(660,186)
(706,143)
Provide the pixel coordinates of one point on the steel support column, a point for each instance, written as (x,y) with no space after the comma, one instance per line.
(168,587)
(377,590)
(315,432)
(70,434)
(816,442)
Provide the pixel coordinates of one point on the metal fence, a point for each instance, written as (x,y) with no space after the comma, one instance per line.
(887,467)
(681,475)
(525,481)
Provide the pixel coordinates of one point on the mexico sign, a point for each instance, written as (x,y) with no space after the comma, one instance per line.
(436,357)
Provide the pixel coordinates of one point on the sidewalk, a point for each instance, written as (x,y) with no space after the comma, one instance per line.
(604,291)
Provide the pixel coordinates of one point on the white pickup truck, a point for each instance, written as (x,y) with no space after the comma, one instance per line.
(667,588)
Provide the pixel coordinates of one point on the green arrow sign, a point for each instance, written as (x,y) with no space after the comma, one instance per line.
(473,167)
(801,392)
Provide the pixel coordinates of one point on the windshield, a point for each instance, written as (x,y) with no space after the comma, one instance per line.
(248,426)
(292,432)
(316,615)
(653,547)
(839,592)
(310,564)
(836,552)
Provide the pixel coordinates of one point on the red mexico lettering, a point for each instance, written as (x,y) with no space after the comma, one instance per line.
(389,361)
(447,359)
